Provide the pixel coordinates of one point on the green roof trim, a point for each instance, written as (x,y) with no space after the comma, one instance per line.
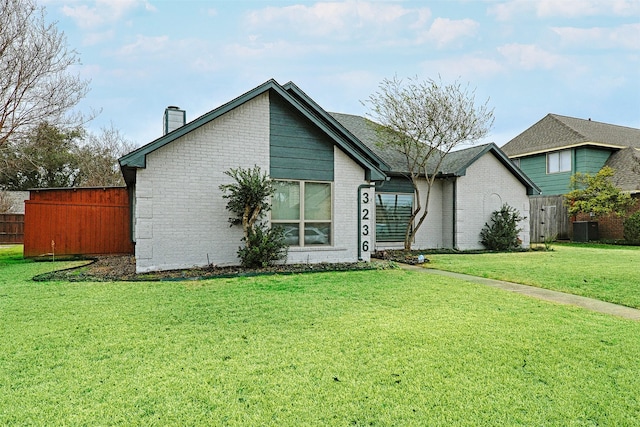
(352,146)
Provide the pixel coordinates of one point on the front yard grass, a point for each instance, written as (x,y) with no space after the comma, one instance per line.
(605,272)
(381,348)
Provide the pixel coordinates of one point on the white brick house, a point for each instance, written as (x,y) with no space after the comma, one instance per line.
(327,174)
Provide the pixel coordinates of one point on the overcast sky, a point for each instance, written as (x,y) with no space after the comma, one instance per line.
(579,58)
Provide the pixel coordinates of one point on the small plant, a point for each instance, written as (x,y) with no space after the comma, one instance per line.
(548,240)
(632,228)
(502,233)
(248,199)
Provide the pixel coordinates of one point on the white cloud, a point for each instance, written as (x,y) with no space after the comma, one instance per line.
(339,20)
(625,37)
(564,8)
(103,12)
(470,67)
(445,32)
(99,37)
(529,57)
(144,45)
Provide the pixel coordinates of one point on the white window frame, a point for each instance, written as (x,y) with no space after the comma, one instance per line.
(559,161)
(302,221)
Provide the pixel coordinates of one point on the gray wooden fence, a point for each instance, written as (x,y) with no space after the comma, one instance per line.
(549,218)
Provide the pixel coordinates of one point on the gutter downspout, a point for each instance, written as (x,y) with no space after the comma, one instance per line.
(455,205)
(360,188)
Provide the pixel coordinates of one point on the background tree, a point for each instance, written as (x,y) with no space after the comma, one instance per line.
(43,158)
(51,157)
(596,194)
(36,80)
(425,121)
(97,158)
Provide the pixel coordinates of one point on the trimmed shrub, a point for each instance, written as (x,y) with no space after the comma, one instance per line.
(502,233)
(263,247)
(632,229)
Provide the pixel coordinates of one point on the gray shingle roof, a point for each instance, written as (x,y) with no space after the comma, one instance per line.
(626,164)
(454,164)
(555,132)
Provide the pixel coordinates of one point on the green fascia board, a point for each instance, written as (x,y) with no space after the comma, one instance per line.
(137,158)
(532,188)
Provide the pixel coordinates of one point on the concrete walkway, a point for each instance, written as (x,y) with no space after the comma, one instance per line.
(543,294)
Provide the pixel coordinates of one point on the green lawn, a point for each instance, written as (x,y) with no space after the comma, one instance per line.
(382,348)
(605,272)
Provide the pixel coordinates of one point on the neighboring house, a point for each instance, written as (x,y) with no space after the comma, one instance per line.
(556,147)
(338,196)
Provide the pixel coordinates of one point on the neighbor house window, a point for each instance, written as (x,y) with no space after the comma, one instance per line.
(559,161)
(393,211)
(303,210)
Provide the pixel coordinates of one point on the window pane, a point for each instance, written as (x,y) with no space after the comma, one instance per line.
(565,161)
(553,162)
(317,233)
(393,212)
(291,233)
(317,201)
(285,203)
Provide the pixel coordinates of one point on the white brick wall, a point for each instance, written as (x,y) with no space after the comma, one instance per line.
(181,217)
(486,186)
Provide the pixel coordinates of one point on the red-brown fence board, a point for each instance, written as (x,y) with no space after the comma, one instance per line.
(79,221)
(11,228)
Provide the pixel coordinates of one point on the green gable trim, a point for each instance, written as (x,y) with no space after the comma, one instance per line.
(351,145)
(298,148)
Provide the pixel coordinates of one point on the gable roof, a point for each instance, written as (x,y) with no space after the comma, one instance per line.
(350,145)
(556,132)
(454,164)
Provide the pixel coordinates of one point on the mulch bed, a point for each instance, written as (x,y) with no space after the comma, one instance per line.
(123,268)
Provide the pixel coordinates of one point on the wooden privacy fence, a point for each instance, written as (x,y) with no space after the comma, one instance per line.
(549,218)
(77,221)
(11,228)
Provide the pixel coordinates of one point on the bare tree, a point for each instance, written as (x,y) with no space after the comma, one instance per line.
(425,121)
(98,157)
(36,82)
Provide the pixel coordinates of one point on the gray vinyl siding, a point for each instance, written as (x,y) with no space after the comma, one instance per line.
(298,149)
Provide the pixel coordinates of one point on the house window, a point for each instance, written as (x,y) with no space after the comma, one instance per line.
(559,161)
(393,211)
(303,209)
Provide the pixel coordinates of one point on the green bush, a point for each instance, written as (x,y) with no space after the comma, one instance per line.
(502,233)
(632,228)
(263,247)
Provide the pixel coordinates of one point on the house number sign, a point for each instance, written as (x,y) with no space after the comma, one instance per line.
(365,216)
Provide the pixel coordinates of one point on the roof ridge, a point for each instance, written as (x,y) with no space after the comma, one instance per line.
(565,125)
(589,120)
